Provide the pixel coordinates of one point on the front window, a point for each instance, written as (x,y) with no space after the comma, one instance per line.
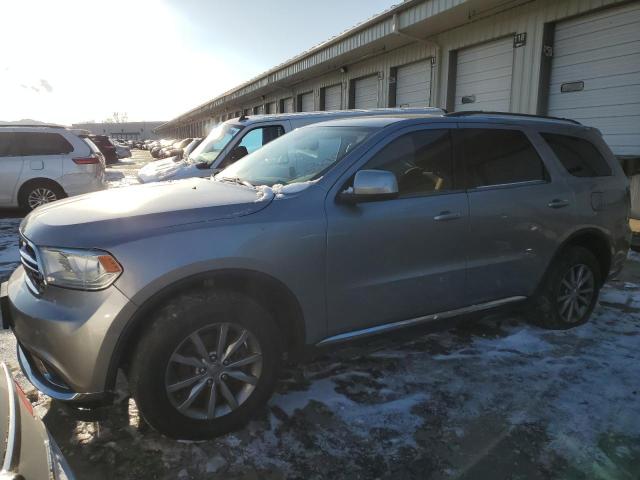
(216,141)
(299,156)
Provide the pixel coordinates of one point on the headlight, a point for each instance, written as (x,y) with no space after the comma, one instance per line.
(80,269)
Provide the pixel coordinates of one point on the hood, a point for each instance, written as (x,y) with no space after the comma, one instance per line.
(169,169)
(113,216)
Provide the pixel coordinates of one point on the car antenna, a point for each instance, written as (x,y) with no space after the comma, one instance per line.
(242,118)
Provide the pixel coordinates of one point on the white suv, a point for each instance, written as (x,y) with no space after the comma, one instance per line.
(41,164)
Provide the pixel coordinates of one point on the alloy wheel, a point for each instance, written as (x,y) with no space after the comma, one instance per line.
(576,293)
(213,371)
(40,196)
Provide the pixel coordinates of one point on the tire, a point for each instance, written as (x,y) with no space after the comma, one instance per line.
(39,192)
(552,307)
(172,335)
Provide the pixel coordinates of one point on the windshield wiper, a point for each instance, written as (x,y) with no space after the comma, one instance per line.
(237,180)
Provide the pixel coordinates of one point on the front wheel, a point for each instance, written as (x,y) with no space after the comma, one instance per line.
(569,291)
(206,364)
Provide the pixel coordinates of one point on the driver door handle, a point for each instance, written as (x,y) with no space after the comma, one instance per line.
(446,216)
(558,203)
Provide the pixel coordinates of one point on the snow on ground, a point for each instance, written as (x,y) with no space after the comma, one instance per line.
(490,399)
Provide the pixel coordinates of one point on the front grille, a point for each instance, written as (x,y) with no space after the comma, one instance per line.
(29,259)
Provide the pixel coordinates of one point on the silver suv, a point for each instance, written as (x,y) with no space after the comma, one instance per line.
(338,230)
(235,138)
(40,164)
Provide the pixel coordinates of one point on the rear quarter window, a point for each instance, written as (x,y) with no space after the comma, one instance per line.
(41,143)
(578,156)
(7,144)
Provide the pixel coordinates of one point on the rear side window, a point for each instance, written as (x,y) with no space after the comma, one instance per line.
(500,157)
(37,143)
(421,161)
(579,156)
(7,144)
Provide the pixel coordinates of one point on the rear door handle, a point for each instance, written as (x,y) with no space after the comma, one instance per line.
(446,216)
(557,203)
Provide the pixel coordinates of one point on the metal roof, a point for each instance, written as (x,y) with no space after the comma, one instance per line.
(379,26)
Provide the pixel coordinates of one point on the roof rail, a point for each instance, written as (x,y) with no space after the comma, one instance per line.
(45,125)
(510,114)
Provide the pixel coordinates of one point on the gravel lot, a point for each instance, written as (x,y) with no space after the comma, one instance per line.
(495,398)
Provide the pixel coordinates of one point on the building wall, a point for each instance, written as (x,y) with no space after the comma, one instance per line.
(528,17)
(126,130)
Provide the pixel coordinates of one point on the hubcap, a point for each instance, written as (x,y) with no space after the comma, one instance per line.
(40,196)
(213,371)
(576,293)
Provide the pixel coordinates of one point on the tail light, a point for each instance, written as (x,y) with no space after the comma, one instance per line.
(90,160)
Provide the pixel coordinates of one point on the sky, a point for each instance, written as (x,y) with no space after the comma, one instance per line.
(70,61)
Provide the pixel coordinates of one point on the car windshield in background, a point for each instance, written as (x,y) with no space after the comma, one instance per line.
(302,155)
(210,148)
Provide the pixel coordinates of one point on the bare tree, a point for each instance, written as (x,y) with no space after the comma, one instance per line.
(118,117)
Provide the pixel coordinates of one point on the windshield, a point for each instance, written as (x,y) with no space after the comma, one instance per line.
(299,156)
(210,148)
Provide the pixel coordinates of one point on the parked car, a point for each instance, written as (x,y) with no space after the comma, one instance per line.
(159,145)
(41,164)
(177,154)
(235,138)
(175,149)
(333,232)
(122,151)
(107,148)
(28,450)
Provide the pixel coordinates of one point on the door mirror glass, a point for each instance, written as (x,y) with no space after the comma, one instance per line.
(371,186)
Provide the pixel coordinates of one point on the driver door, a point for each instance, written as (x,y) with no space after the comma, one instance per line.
(399,259)
(251,141)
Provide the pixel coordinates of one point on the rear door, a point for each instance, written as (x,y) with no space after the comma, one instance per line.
(599,186)
(43,153)
(11,166)
(519,208)
(399,259)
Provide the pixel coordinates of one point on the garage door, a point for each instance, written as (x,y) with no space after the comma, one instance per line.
(366,92)
(413,85)
(287,105)
(306,102)
(595,75)
(483,76)
(333,97)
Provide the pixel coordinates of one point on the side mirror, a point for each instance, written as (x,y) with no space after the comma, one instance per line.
(371,186)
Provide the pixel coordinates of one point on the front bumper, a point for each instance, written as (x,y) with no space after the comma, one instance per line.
(66,338)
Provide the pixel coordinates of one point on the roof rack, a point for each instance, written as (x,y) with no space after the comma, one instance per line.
(45,125)
(510,114)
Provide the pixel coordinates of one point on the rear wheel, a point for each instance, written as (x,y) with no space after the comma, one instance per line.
(569,292)
(38,193)
(205,365)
